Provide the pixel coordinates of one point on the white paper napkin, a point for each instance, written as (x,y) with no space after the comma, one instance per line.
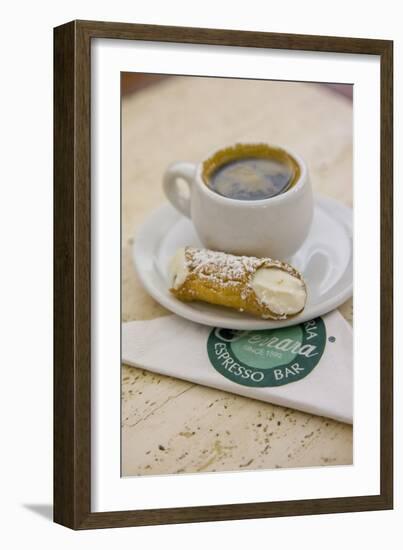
(306,367)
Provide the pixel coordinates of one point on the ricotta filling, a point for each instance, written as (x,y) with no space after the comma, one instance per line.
(281,292)
(178,270)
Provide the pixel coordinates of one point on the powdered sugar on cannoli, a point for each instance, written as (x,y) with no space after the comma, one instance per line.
(261,286)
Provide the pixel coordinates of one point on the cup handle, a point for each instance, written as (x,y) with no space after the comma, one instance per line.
(185,171)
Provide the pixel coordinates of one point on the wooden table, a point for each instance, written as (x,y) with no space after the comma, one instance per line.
(172,426)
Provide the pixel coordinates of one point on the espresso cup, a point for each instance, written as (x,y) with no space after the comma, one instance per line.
(274,227)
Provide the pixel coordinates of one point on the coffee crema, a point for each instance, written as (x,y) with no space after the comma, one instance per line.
(251,179)
(250,172)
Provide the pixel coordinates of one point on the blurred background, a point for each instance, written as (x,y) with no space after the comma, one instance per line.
(132,82)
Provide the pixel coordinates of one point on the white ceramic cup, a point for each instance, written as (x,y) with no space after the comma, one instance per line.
(274,227)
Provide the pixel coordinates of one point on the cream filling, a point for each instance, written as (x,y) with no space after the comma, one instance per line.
(283,293)
(178,270)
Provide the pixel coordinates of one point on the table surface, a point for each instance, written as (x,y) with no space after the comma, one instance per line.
(173,426)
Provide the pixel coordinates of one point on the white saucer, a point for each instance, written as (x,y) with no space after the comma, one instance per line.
(325,260)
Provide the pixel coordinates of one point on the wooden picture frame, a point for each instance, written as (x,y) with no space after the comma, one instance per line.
(72,272)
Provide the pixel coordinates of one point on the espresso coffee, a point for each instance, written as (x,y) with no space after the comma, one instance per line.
(251,178)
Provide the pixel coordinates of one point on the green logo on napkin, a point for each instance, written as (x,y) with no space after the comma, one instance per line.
(264,358)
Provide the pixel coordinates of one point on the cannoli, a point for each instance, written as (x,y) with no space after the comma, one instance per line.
(270,289)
